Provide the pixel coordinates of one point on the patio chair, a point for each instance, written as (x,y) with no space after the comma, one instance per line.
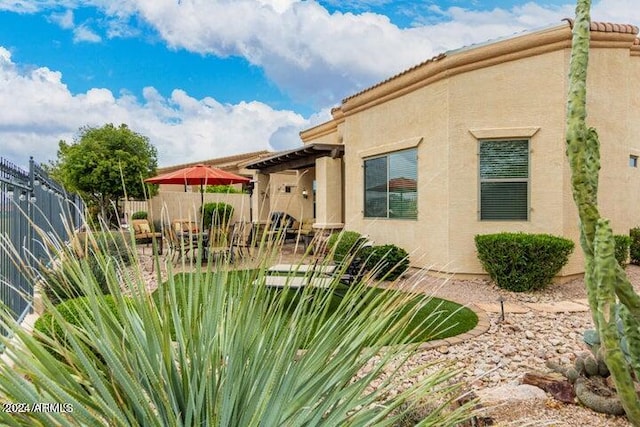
(178,248)
(219,244)
(318,275)
(143,234)
(240,240)
(301,231)
(280,223)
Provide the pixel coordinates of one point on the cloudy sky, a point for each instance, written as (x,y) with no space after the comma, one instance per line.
(213,78)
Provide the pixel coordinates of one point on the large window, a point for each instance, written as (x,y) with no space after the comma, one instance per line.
(504,180)
(390,186)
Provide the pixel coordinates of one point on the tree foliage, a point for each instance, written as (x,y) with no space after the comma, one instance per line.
(105,164)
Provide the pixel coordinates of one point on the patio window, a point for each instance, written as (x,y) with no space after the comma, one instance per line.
(504,180)
(390,185)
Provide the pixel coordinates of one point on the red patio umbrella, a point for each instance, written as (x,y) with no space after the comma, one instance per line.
(199,175)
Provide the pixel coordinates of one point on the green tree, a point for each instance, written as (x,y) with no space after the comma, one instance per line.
(105,164)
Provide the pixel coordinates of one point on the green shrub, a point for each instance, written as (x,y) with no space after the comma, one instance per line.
(72,312)
(228,189)
(217,214)
(522,262)
(343,242)
(139,215)
(112,246)
(623,243)
(634,247)
(388,261)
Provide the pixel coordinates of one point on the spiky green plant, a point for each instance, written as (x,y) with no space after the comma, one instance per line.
(611,296)
(230,357)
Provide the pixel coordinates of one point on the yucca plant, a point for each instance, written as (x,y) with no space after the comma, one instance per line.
(220,352)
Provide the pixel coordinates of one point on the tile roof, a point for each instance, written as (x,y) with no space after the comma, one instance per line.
(606,27)
(229,162)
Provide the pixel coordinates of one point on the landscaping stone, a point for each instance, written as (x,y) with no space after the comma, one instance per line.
(511,392)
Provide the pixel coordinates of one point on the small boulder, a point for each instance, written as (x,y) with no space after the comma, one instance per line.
(511,392)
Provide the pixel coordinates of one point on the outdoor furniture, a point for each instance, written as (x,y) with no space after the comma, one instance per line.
(184,226)
(182,236)
(294,282)
(176,247)
(301,231)
(302,268)
(219,244)
(279,225)
(143,234)
(240,240)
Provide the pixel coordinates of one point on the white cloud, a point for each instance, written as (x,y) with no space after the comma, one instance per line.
(318,57)
(64,20)
(38,111)
(83,33)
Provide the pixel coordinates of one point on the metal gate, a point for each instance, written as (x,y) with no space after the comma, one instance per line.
(29,200)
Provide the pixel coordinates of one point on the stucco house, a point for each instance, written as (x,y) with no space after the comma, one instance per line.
(472,142)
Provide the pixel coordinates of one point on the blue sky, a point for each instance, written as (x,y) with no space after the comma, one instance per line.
(205,78)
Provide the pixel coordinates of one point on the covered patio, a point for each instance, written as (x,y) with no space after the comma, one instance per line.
(317,192)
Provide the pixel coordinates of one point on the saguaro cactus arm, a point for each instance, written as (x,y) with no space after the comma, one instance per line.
(605,280)
(605,266)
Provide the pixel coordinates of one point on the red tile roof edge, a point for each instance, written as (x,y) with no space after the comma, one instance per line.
(606,27)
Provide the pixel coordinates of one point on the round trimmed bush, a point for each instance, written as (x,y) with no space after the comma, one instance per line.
(622,248)
(217,214)
(389,261)
(139,215)
(634,246)
(522,262)
(343,243)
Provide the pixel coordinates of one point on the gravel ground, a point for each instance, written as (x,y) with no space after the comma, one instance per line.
(511,347)
(521,343)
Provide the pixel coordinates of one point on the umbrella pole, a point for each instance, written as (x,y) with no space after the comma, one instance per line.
(201,207)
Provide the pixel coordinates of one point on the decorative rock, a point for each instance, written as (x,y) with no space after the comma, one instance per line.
(508,350)
(561,389)
(443,349)
(510,392)
(529,335)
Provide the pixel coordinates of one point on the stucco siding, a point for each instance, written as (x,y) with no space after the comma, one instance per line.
(509,100)
(418,119)
(512,89)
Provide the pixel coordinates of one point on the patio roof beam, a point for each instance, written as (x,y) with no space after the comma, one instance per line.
(300,158)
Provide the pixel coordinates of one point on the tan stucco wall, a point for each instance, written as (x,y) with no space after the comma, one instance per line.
(170,205)
(515,88)
(292,203)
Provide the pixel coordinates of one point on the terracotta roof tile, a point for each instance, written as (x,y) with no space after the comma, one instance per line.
(408,70)
(607,27)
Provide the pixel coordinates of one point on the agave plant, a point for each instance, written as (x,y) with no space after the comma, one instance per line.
(217,348)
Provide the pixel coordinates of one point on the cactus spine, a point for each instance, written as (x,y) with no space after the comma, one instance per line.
(611,296)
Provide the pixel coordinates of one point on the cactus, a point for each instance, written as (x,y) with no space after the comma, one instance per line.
(594,396)
(612,299)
